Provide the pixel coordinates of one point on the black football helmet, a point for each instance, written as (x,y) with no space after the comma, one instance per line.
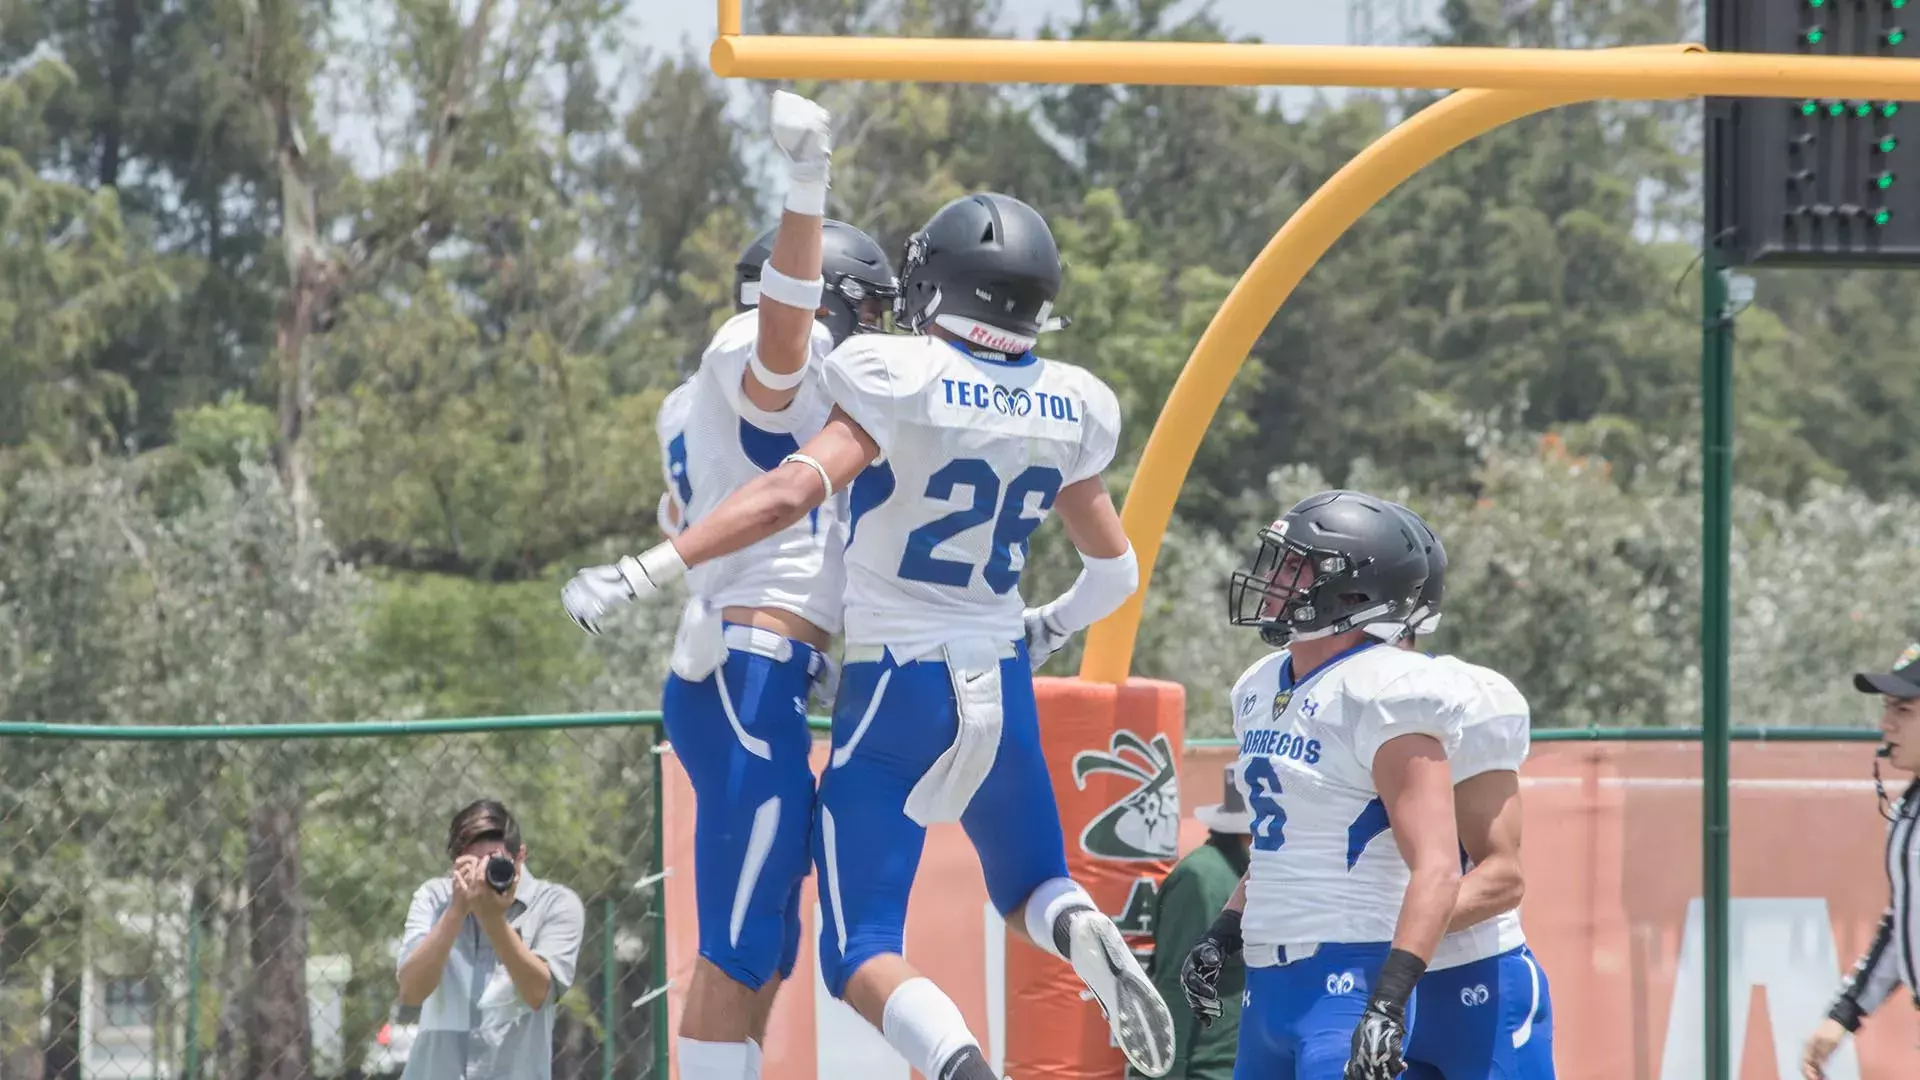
(985,269)
(1335,562)
(1425,617)
(852,265)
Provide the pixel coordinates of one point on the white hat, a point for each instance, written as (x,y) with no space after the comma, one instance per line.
(1230,814)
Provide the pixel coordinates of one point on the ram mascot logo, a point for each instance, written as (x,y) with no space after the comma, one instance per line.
(1144,826)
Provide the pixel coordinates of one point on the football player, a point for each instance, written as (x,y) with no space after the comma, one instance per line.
(1343,757)
(953,444)
(1485,1010)
(752,641)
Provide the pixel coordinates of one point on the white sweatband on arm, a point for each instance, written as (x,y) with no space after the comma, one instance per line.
(825,480)
(774,380)
(1103,585)
(796,292)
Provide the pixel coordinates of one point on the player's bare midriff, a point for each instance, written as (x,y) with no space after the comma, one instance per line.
(784,623)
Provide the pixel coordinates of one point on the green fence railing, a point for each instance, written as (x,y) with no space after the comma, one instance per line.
(1758,734)
(171,896)
(159,884)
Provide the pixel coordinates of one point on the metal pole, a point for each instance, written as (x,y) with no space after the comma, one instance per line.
(661,1067)
(193,985)
(607,1042)
(1716,493)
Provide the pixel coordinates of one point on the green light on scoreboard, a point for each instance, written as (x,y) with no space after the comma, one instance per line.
(1895,36)
(1865,108)
(1838,108)
(1814,35)
(1881,217)
(1890,108)
(1887,144)
(1883,181)
(1809,108)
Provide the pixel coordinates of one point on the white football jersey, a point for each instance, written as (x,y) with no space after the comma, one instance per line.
(715,441)
(671,424)
(973,453)
(1495,735)
(1324,867)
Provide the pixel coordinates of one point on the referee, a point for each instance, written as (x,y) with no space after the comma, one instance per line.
(1889,962)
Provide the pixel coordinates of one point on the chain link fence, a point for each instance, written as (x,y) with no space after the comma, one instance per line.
(226,903)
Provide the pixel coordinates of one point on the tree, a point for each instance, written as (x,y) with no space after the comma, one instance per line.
(69,278)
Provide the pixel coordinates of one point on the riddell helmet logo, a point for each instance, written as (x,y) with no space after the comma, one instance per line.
(990,338)
(1144,825)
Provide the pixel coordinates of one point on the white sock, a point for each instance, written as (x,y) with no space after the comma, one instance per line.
(1051,900)
(717,1061)
(924,1024)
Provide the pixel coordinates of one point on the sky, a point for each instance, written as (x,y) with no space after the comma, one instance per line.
(363,127)
(676,24)
(1292,22)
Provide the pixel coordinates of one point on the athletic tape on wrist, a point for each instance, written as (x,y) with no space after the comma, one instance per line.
(1394,985)
(1226,930)
(662,564)
(825,480)
(807,197)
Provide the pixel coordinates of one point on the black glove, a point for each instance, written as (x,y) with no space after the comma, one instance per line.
(1376,1053)
(1376,1043)
(1200,974)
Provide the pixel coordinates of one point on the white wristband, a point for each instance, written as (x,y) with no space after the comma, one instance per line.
(825,480)
(808,197)
(802,293)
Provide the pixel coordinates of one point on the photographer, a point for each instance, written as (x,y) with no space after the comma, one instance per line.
(488,950)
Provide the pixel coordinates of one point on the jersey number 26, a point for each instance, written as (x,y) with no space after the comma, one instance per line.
(1013,522)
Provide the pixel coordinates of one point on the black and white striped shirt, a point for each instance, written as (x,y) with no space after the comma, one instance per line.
(1889,962)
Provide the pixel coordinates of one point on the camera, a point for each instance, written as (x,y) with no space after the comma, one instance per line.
(500,872)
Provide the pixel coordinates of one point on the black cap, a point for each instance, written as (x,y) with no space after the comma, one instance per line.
(1902,681)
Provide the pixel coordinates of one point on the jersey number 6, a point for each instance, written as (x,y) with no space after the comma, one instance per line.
(1263,794)
(1013,522)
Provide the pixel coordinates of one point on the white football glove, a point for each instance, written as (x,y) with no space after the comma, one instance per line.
(1044,636)
(597,590)
(803,133)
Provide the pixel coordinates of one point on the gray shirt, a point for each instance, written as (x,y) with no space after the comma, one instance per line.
(475,1026)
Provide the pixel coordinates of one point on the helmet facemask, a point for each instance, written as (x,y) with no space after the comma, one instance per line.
(844,298)
(1296,592)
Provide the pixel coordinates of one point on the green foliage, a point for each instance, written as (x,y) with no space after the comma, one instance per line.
(448,277)
(457,647)
(512,303)
(67,277)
